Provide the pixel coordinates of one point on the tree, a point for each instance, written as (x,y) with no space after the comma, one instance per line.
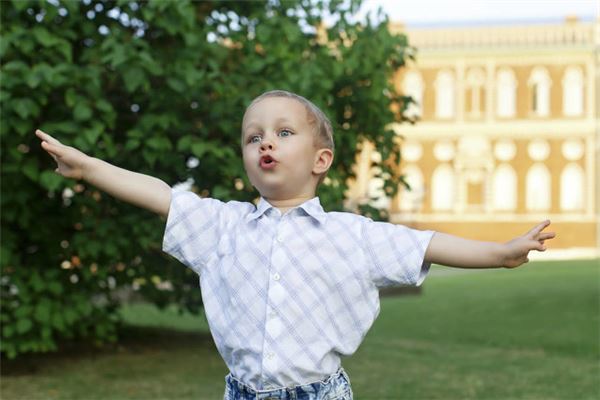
(158,87)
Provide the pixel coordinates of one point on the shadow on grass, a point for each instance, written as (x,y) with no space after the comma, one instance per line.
(133,340)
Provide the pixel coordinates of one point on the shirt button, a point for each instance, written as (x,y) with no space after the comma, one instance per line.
(270,356)
(280,238)
(276,276)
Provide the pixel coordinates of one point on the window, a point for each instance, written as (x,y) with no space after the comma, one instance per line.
(539,82)
(504,188)
(571,188)
(375,185)
(506,88)
(413,86)
(444,95)
(474,99)
(412,200)
(443,188)
(573,92)
(538,188)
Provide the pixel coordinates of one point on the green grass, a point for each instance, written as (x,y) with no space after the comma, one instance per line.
(530,333)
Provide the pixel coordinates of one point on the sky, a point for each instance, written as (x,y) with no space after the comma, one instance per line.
(415,13)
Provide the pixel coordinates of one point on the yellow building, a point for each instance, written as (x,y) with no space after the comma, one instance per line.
(508,133)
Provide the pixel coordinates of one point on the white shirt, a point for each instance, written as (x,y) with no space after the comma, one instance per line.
(286,295)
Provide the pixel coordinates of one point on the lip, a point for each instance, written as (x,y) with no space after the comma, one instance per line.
(267,162)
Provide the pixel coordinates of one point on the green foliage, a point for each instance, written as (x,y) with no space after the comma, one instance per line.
(147,86)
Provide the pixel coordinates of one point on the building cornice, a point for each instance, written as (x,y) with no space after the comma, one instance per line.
(520,128)
(570,33)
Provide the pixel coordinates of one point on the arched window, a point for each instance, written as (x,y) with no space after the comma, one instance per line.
(538,188)
(504,188)
(375,191)
(412,86)
(443,184)
(474,98)
(506,88)
(444,95)
(539,82)
(572,84)
(572,188)
(412,200)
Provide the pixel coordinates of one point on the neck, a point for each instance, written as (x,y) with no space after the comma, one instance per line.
(284,205)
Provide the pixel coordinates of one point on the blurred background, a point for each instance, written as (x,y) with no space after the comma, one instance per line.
(507,134)
(478,118)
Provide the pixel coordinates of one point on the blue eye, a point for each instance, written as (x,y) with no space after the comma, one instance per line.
(255,139)
(285,133)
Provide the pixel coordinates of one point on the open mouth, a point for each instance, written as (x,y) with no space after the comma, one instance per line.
(267,162)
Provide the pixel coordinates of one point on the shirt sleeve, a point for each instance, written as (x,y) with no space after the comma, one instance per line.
(396,253)
(192,229)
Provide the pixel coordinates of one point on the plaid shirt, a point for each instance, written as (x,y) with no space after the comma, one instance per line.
(287,295)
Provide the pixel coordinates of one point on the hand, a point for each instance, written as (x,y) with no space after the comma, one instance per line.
(70,161)
(518,249)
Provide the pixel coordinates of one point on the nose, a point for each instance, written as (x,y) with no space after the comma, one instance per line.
(266,145)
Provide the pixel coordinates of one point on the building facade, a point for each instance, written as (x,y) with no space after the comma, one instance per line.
(508,133)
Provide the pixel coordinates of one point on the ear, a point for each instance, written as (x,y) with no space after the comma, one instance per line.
(323,160)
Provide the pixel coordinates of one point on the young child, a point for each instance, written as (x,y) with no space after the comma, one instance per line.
(287,287)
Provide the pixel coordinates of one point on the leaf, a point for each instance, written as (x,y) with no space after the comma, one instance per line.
(33,79)
(58,321)
(133,77)
(176,84)
(51,180)
(44,37)
(66,50)
(70,97)
(82,112)
(92,134)
(42,311)
(25,108)
(15,66)
(184,143)
(55,288)
(7,331)
(104,106)
(31,169)
(132,144)
(24,325)
(199,149)
(159,143)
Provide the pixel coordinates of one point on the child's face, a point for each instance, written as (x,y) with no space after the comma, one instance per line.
(279,149)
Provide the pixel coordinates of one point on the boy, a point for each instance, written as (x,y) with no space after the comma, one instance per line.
(288,288)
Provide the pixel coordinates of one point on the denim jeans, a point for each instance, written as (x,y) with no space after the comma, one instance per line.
(335,387)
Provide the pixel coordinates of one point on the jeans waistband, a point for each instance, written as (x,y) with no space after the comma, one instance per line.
(336,382)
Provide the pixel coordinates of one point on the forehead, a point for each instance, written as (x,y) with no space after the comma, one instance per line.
(276,108)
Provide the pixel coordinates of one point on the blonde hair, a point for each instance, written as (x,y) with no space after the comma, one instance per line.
(317,118)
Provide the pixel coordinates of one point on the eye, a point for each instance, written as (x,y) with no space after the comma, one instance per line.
(285,133)
(255,139)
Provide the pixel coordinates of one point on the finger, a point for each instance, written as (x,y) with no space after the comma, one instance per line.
(538,228)
(547,235)
(44,136)
(53,150)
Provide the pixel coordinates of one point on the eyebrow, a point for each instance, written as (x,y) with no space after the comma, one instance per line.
(278,121)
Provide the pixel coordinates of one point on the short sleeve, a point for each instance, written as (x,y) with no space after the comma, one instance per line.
(193,229)
(396,253)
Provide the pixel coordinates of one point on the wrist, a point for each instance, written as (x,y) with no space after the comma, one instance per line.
(503,255)
(87,166)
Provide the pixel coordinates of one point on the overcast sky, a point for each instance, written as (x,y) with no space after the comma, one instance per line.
(450,12)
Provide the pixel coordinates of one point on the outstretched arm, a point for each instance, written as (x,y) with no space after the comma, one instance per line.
(454,251)
(138,189)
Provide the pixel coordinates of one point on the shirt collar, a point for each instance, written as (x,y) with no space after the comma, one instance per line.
(311,207)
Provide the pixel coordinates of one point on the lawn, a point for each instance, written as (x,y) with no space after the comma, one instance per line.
(530,333)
